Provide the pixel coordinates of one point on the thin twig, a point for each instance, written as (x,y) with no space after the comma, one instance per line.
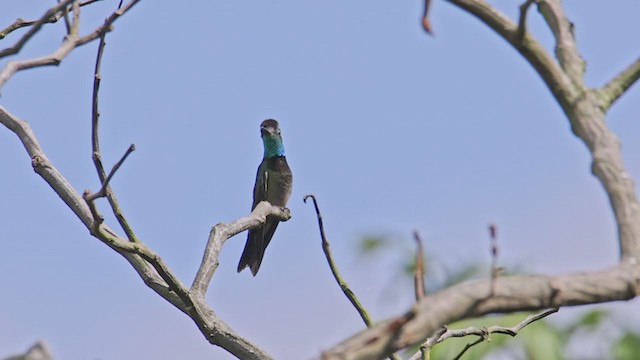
(334,269)
(71,42)
(36,27)
(418,278)
(618,85)
(103,190)
(344,286)
(21,23)
(495,270)
(468,346)
(67,22)
(483,333)
(522,21)
(95,144)
(426,24)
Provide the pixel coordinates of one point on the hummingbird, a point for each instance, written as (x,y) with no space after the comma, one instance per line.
(273,184)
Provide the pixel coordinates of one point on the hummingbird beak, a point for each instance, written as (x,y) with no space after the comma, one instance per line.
(266,130)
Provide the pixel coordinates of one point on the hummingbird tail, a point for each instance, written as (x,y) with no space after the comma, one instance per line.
(257,242)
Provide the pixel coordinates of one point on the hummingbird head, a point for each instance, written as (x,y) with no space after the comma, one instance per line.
(271,138)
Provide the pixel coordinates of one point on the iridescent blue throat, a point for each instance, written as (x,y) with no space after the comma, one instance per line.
(273,146)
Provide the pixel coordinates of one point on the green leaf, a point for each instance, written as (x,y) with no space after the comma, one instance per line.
(627,347)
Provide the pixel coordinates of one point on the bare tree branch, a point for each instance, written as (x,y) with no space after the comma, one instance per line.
(522,22)
(65,16)
(566,49)
(418,277)
(334,269)
(70,43)
(621,83)
(159,278)
(222,232)
(426,24)
(21,23)
(95,144)
(483,333)
(36,27)
(466,300)
(148,264)
(584,109)
(364,314)
(495,270)
(103,190)
(554,77)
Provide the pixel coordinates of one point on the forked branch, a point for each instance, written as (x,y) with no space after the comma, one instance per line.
(481,333)
(71,42)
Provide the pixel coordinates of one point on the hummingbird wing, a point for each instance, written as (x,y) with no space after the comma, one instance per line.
(258,238)
(273,184)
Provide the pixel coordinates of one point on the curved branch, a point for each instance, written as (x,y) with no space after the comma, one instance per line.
(51,13)
(512,293)
(220,233)
(158,276)
(551,73)
(482,333)
(20,23)
(566,49)
(71,42)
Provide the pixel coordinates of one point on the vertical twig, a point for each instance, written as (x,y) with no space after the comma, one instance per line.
(95,144)
(426,25)
(336,274)
(493,235)
(419,283)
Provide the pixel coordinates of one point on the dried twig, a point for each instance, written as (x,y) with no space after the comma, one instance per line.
(418,278)
(426,24)
(522,20)
(95,144)
(36,27)
(618,85)
(336,274)
(482,333)
(495,270)
(103,190)
(21,23)
(65,16)
(334,269)
(70,43)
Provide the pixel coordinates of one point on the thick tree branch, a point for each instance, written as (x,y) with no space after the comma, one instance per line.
(512,293)
(71,42)
(584,109)
(220,233)
(618,85)
(158,276)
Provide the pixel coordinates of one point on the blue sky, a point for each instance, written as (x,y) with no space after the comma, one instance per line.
(393,130)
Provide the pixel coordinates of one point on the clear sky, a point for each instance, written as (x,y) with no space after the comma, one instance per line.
(393,130)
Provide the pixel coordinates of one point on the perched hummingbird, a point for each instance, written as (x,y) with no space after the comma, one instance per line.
(273,184)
